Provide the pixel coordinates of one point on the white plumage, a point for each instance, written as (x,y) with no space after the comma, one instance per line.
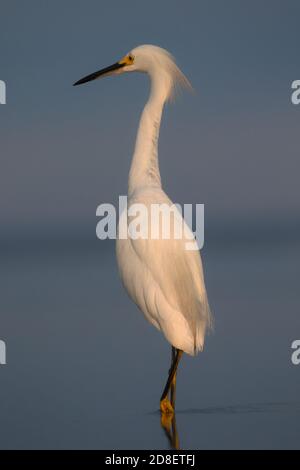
(163,278)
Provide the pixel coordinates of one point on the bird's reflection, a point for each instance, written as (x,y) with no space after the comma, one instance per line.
(168,423)
(168,420)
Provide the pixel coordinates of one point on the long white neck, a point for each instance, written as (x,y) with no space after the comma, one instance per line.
(144,170)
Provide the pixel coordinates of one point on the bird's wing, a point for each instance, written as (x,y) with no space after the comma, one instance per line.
(178,274)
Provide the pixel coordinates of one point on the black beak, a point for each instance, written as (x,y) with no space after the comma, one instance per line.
(100,73)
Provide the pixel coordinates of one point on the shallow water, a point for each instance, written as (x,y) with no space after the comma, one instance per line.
(85,370)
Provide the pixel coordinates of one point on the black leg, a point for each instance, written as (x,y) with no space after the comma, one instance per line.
(173,384)
(172,373)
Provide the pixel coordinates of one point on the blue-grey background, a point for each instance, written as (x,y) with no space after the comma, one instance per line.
(84,369)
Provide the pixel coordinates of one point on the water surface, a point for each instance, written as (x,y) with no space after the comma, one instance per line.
(85,370)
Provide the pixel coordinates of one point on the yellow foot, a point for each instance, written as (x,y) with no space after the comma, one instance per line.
(166,407)
(166,421)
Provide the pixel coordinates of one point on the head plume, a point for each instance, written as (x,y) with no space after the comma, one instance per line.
(160,65)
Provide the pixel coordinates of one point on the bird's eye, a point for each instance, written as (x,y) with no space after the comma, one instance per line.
(130,57)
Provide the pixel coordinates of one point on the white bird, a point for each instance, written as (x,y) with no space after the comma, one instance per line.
(162,277)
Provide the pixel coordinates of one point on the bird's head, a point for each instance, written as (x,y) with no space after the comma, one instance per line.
(154,60)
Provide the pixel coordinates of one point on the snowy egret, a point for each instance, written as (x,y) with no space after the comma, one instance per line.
(163,278)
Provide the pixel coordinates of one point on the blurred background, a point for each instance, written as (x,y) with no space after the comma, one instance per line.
(84,369)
